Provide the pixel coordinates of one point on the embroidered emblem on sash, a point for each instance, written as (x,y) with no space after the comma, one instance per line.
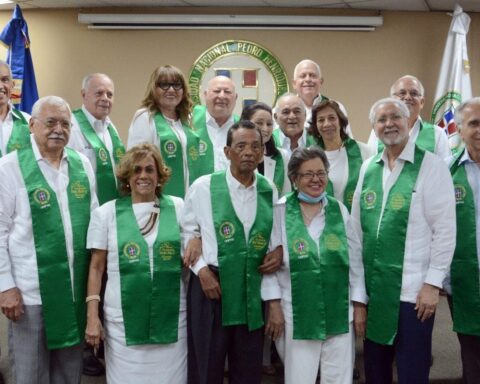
(227,230)
(42,197)
(79,190)
(397,201)
(300,246)
(193,153)
(332,242)
(258,241)
(460,193)
(170,147)
(166,251)
(132,251)
(102,154)
(370,198)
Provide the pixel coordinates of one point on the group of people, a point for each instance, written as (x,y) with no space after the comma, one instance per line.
(211,233)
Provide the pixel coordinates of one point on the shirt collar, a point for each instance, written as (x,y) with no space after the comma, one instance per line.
(91,119)
(466,158)
(234,184)
(213,123)
(408,153)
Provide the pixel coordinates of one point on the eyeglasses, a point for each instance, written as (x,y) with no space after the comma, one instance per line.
(166,86)
(52,123)
(309,176)
(403,93)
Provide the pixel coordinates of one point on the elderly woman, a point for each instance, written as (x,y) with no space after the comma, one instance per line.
(345,155)
(164,120)
(321,275)
(274,165)
(138,238)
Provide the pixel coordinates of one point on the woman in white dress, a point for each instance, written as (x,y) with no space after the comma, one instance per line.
(164,120)
(275,160)
(345,155)
(138,239)
(318,294)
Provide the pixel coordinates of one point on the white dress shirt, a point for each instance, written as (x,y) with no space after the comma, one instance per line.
(442,148)
(278,285)
(473,177)
(79,142)
(18,259)
(6,127)
(269,170)
(198,219)
(218,137)
(430,237)
(143,130)
(338,171)
(102,234)
(286,142)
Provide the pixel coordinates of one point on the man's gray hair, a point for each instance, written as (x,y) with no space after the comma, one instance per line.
(295,71)
(461,109)
(410,77)
(400,105)
(89,77)
(303,154)
(55,101)
(289,94)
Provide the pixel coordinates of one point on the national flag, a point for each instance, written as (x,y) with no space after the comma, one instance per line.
(15,35)
(454,85)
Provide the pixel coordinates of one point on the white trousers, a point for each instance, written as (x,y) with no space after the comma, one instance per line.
(302,358)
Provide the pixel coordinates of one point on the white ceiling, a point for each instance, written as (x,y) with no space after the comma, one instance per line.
(392,5)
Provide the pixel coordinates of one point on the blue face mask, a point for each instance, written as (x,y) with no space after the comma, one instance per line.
(302,196)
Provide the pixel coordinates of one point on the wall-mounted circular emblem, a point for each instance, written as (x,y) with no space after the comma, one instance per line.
(258,75)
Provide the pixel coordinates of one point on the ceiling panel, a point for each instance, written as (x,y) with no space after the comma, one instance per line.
(397,5)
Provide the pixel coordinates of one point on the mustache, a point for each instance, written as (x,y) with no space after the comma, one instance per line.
(56,136)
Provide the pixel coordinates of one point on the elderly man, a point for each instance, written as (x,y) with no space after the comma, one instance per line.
(290,117)
(46,194)
(463,283)
(213,120)
(234,222)
(14,133)
(430,137)
(404,212)
(94,135)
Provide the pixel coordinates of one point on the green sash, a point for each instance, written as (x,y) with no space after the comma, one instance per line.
(465,278)
(320,277)
(199,120)
(354,161)
(172,154)
(279,172)
(425,138)
(105,173)
(239,258)
(384,243)
(64,311)
(150,306)
(20,136)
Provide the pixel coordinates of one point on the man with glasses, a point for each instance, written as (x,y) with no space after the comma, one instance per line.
(404,213)
(427,136)
(213,120)
(47,192)
(234,221)
(95,136)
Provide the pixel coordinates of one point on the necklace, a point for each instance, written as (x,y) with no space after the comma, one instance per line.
(147,228)
(309,218)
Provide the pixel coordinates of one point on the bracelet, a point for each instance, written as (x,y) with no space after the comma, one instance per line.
(93,297)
